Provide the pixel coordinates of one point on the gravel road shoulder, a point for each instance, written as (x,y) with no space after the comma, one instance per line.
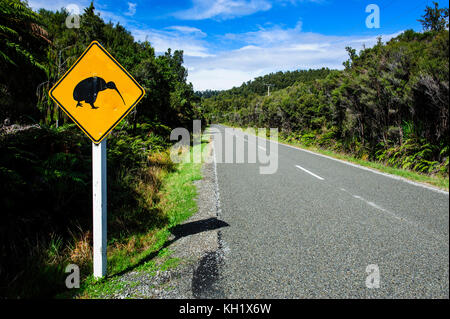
(196,243)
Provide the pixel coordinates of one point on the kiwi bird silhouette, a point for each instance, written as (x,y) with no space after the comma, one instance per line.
(88,89)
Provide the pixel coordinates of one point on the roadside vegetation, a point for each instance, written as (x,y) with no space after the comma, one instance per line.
(45,160)
(146,251)
(389,106)
(438,181)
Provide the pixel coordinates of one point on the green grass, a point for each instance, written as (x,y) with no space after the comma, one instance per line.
(110,286)
(433,180)
(437,181)
(177,202)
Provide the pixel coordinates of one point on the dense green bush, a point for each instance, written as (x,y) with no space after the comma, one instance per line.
(389,104)
(37,49)
(45,170)
(46,195)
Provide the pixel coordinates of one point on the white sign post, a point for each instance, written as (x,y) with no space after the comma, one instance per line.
(99,207)
(97,66)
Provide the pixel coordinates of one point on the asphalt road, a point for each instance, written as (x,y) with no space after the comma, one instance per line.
(311,230)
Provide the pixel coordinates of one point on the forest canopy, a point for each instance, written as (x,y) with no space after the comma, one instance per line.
(38,48)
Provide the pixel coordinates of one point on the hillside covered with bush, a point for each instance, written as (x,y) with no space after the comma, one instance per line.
(276,81)
(389,104)
(45,160)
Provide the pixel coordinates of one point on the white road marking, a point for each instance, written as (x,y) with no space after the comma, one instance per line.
(246,139)
(216,181)
(382,209)
(434,189)
(373,205)
(395,216)
(305,170)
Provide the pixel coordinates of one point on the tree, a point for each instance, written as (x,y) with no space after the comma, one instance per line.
(17,24)
(22,52)
(435,19)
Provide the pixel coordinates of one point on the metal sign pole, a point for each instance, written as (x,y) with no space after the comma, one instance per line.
(99,207)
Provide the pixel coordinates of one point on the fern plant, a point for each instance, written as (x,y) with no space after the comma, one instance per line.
(16,22)
(415,154)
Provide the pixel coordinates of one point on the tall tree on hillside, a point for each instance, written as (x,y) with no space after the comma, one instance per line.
(435,19)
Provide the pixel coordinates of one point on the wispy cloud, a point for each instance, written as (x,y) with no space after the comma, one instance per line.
(272,50)
(103,9)
(57,4)
(267,36)
(113,17)
(131,9)
(187,30)
(222,9)
(185,38)
(298,2)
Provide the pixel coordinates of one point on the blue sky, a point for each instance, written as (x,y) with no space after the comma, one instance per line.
(227,42)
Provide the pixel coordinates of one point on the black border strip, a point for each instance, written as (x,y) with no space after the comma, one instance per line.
(124,114)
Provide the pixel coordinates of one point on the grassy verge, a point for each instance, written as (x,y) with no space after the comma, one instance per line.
(146,251)
(52,168)
(433,180)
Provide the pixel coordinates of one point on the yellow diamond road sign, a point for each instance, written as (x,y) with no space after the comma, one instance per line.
(97,92)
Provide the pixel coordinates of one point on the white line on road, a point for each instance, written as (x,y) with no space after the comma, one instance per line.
(434,189)
(376,206)
(393,215)
(246,139)
(305,170)
(216,180)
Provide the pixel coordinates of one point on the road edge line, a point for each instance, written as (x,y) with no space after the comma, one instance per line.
(399,178)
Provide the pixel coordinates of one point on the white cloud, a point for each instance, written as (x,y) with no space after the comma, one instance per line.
(187,30)
(222,9)
(219,78)
(114,18)
(266,36)
(188,39)
(272,50)
(57,4)
(297,2)
(131,9)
